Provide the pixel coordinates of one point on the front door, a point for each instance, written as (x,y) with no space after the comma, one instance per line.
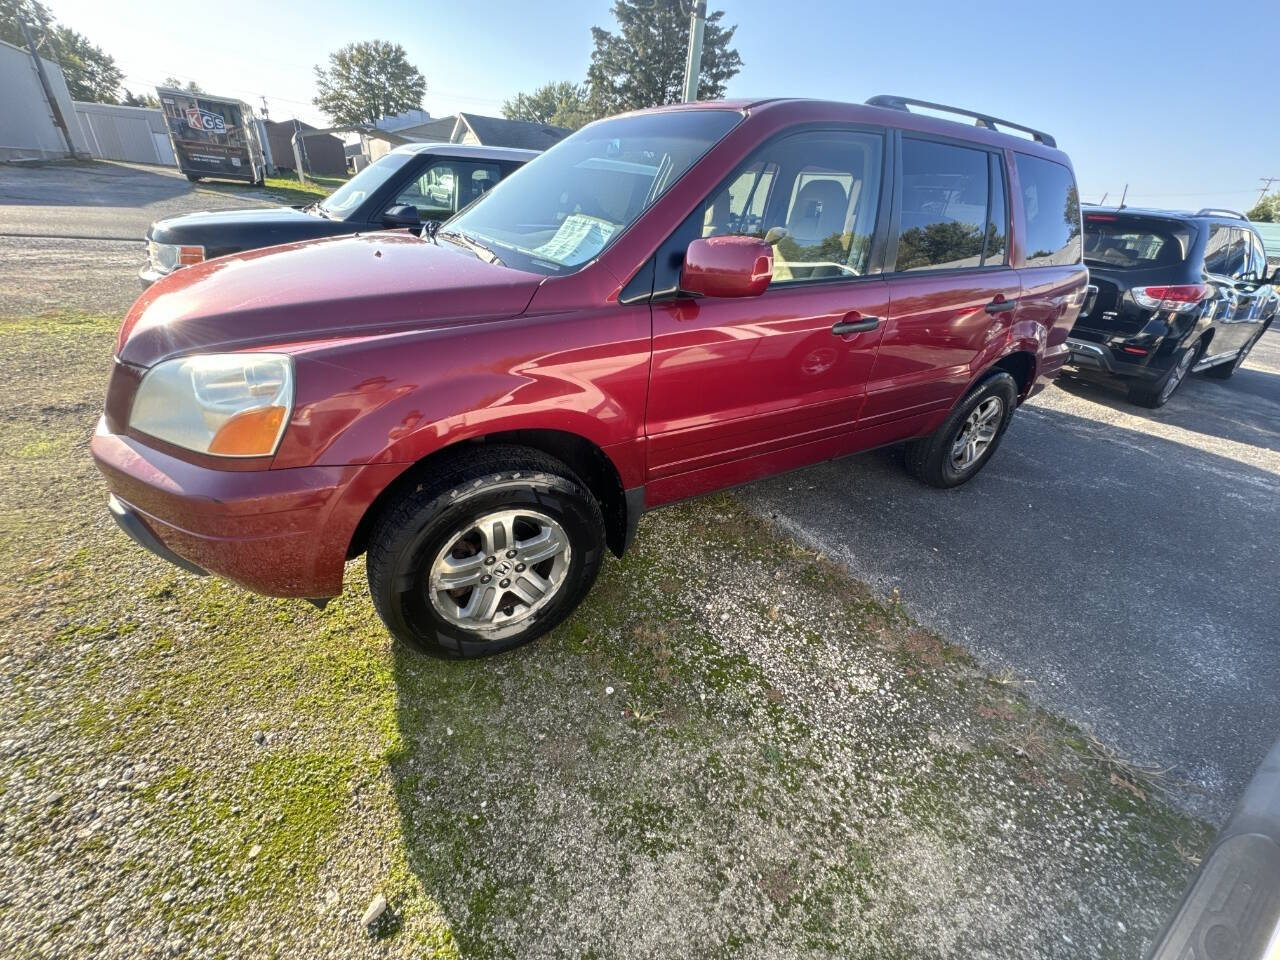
(742,388)
(951,288)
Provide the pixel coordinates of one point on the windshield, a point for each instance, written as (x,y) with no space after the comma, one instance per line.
(1132,243)
(563,208)
(364,184)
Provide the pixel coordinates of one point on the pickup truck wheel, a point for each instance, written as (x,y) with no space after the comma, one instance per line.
(1157,393)
(967,439)
(497,547)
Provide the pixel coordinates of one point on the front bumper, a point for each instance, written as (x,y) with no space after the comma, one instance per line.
(149,275)
(282,533)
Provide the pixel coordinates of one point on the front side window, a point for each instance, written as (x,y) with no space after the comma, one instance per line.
(812,196)
(560,210)
(946,214)
(1051,205)
(447,186)
(343,202)
(1257,257)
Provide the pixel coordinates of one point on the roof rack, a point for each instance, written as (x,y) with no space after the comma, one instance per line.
(983,120)
(1222,212)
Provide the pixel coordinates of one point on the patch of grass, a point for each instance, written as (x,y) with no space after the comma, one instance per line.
(284,188)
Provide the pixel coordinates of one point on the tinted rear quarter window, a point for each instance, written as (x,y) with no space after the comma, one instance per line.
(1051,205)
(1217,249)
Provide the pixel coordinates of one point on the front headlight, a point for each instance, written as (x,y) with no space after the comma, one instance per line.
(167,257)
(227,405)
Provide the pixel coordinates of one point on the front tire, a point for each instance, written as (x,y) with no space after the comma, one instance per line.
(968,438)
(495,549)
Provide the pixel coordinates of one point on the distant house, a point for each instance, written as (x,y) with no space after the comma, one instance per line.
(437,131)
(325,153)
(499,132)
(397,122)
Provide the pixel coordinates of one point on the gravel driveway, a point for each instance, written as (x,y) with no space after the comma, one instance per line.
(1123,559)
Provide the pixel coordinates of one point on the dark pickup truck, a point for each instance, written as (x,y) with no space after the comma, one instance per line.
(412,184)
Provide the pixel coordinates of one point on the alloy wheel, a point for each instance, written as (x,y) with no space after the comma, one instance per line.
(975,437)
(499,570)
(1178,374)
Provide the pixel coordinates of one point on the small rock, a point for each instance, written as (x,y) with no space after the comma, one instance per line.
(608,691)
(259,737)
(376,909)
(166,897)
(448,731)
(254,851)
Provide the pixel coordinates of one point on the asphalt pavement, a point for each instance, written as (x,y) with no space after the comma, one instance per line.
(99,200)
(1122,560)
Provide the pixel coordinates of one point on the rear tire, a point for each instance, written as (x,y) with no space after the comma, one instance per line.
(955,452)
(1157,393)
(480,514)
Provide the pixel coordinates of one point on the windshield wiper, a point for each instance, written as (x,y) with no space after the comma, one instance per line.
(470,243)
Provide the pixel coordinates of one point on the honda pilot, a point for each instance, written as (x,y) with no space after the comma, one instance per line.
(667,303)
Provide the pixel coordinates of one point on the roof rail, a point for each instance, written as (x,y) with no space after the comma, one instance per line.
(1221,211)
(983,120)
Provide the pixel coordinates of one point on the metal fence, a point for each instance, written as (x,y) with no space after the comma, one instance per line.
(134,134)
(27,130)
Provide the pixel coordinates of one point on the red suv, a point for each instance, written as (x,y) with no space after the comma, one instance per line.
(667,303)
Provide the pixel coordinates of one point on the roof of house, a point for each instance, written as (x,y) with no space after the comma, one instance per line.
(441,129)
(500,132)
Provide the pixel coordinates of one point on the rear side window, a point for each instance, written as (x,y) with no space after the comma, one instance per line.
(946,194)
(1217,250)
(1238,254)
(1052,208)
(1133,243)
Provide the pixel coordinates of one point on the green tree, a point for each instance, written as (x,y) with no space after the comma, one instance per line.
(561,104)
(144,99)
(190,86)
(1266,210)
(367,81)
(91,74)
(642,65)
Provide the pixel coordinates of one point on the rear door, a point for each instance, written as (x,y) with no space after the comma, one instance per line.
(741,388)
(952,289)
(1053,275)
(1246,268)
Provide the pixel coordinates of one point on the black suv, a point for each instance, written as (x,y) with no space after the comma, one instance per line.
(1176,292)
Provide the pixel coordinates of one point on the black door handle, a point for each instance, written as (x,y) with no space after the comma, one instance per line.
(1001,306)
(855,326)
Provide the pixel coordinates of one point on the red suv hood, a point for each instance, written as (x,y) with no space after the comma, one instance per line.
(318,289)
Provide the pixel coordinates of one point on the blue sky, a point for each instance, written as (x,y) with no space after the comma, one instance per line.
(1159,95)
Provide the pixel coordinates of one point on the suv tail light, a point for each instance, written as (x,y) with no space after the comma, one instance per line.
(1169,298)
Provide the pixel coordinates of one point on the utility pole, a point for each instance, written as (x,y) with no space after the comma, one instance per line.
(1266,185)
(693,66)
(48,91)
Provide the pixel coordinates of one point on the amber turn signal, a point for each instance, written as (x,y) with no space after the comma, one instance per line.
(249,434)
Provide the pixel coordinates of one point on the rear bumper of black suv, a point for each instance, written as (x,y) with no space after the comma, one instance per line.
(1090,356)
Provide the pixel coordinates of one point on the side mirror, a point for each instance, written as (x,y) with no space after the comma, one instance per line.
(402,215)
(727,267)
